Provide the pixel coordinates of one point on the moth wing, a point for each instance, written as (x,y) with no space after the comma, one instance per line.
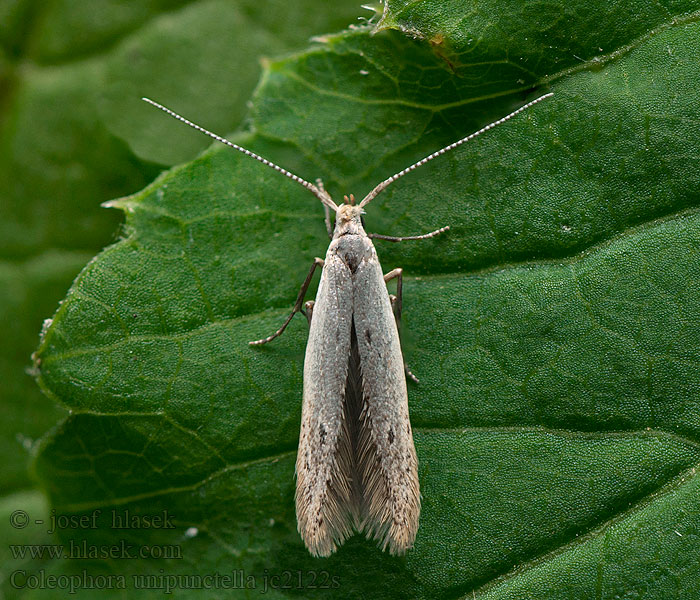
(386,454)
(323,491)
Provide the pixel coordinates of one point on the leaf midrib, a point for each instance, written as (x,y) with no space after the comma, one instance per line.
(665,489)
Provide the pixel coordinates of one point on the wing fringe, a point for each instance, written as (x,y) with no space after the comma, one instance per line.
(360,494)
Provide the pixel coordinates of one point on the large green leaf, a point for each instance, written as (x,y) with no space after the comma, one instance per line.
(555,328)
(70,75)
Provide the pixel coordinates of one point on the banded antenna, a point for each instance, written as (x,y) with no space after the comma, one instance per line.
(384,184)
(319,190)
(320,193)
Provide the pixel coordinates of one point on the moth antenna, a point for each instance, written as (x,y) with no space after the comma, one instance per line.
(384,184)
(321,194)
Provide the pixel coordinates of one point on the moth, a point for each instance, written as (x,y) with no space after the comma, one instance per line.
(356,466)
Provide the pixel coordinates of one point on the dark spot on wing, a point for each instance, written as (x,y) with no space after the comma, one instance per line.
(351,260)
(391,436)
(323,434)
(368,336)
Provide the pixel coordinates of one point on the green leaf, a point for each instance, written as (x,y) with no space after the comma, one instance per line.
(554,328)
(501,47)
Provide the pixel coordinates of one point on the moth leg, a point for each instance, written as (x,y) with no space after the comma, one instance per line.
(309,306)
(329,228)
(318,262)
(397,306)
(425,236)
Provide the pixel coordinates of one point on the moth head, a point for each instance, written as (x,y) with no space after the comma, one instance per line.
(349,211)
